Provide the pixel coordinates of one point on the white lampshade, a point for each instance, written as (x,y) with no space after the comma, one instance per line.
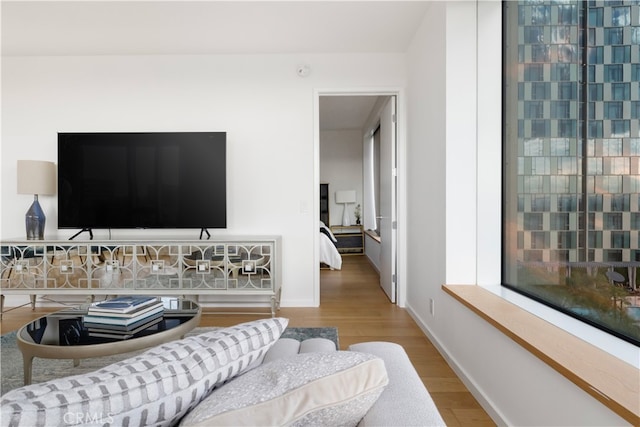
(346,196)
(36,177)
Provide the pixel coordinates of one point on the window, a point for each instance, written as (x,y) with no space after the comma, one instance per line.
(611,255)
(567,53)
(533,147)
(566,203)
(612,221)
(595,92)
(613,110)
(596,17)
(540,53)
(540,128)
(596,55)
(572,176)
(560,221)
(595,239)
(540,90)
(534,72)
(540,166)
(566,166)
(371,182)
(561,146)
(540,203)
(594,129)
(621,91)
(561,72)
(533,35)
(567,128)
(613,36)
(533,221)
(533,109)
(594,166)
(620,128)
(540,14)
(567,90)
(560,109)
(620,203)
(611,147)
(566,240)
(621,16)
(620,54)
(595,203)
(560,35)
(567,14)
(612,73)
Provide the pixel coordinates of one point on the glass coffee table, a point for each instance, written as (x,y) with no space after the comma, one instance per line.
(62,335)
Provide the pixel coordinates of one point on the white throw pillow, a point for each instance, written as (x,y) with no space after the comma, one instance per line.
(326,388)
(154,388)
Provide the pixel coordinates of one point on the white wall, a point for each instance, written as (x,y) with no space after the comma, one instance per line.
(341,168)
(265,108)
(454,229)
(426,156)
(372,251)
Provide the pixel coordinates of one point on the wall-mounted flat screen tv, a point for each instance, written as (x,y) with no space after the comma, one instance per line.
(142,180)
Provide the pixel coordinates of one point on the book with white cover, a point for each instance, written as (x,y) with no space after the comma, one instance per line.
(123,304)
(102,318)
(139,311)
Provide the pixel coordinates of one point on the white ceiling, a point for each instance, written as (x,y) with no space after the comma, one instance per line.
(345,112)
(160,27)
(206,27)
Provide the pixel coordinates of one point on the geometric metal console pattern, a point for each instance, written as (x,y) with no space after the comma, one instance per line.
(232,266)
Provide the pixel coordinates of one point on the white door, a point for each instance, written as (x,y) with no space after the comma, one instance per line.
(387,214)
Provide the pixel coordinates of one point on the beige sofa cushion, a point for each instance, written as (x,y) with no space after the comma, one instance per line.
(333,388)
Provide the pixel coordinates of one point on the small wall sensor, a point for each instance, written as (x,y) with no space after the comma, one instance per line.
(303,70)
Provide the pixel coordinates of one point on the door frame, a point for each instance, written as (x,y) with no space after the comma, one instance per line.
(401,203)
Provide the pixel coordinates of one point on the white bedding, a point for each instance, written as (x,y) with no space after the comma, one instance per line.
(328,252)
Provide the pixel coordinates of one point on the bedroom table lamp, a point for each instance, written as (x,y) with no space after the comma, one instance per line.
(38,178)
(345,197)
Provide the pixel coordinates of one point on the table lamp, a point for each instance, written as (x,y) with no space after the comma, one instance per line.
(38,178)
(346,197)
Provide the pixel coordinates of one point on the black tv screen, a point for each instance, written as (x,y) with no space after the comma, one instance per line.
(142,180)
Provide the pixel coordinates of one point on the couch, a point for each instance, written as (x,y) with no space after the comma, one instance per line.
(242,375)
(405,400)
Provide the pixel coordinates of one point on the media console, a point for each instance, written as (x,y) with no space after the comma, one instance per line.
(237,270)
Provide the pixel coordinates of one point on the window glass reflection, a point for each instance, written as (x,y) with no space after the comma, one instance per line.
(620,16)
(574,172)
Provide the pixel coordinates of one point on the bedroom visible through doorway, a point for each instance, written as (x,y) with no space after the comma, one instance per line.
(351,163)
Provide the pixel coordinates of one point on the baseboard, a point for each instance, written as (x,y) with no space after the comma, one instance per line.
(473,388)
(373,264)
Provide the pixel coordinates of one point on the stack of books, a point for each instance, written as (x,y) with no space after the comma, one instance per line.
(123,317)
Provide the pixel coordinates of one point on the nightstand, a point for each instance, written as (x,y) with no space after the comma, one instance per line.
(350,239)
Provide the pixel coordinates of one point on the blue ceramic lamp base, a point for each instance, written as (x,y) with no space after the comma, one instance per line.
(35,220)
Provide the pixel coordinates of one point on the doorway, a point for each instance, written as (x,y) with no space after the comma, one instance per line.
(354,132)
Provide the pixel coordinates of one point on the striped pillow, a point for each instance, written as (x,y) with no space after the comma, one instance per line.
(157,387)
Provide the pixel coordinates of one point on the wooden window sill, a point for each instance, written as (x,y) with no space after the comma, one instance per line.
(608,379)
(373,235)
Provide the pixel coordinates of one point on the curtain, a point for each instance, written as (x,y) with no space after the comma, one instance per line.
(369,212)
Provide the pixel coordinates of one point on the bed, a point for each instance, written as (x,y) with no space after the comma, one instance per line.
(329,254)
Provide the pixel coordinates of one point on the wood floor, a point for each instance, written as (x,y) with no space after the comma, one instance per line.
(352,301)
